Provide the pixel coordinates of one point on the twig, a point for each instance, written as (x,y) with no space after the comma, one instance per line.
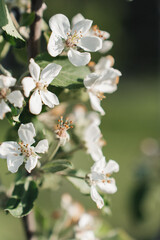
(35,28)
(29,226)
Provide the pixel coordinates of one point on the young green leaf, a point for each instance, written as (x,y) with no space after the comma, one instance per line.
(24,194)
(56,166)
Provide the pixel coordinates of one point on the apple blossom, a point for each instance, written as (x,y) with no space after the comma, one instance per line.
(95,31)
(61,131)
(63,38)
(23,151)
(98,84)
(100,178)
(38,82)
(14,97)
(84,229)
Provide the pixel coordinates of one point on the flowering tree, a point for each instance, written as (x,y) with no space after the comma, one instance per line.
(46,108)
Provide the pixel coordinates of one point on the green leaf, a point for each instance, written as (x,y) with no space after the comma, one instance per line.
(56,166)
(10,32)
(27,19)
(24,194)
(76,178)
(70,76)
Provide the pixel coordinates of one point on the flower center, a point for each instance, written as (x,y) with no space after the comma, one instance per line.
(62,127)
(26,150)
(41,86)
(73,39)
(98,33)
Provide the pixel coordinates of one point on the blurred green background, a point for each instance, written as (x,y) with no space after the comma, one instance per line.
(132,115)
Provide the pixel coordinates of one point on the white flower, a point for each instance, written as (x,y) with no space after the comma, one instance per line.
(95,31)
(100,177)
(63,38)
(23,151)
(84,230)
(61,131)
(103,64)
(98,84)
(92,138)
(39,82)
(14,97)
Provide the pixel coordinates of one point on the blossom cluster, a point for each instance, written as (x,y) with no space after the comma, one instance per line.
(76,41)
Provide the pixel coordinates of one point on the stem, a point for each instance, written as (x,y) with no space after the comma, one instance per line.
(29,226)
(35,28)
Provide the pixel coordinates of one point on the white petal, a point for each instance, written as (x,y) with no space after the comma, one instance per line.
(77,18)
(35,103)
(90,79)
(59,25)
(28,85)
(99,166)
(91,44)
(95,103)
(16,98)
(42,146)
(31,163)
(96,152)
(49,98)
(106,46)
(112,166)
(77,58)
(26,133)
(55,45)
(50,72)
(108,187)
(14,162)
(104,63)
(82,27)
(96,197)
(6,81)
(4,108)
(34,70)
(10,148)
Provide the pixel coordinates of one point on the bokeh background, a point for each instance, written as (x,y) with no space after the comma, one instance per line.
(131,125)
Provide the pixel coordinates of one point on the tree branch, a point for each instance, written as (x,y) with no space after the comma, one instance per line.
(35,29)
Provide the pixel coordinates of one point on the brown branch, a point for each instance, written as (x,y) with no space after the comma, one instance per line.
(30,226)
(35,28)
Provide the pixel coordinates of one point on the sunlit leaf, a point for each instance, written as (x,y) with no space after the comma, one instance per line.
(56,166)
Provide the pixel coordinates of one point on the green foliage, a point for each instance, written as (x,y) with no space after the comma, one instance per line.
(24,194)
(27,19)
(10,32)
(70,76)
(77,178)
(56,166)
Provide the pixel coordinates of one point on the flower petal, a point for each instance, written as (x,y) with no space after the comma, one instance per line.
(6,81)
(31,163)
(106,46)
(14,162)
(108,186)
(59,25)
(28,85)
(55,45)
(90,79)
(4,108)
(26,133)
(77,18)
(77,58)
(96,197)
(9,148)
(91,44)
(42,146)
(112,166)
(104,63)
(34,70)
(16,98)
(35,103)
(50,72)
(95,103)
(49,98)
(82,27)
(99,166)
